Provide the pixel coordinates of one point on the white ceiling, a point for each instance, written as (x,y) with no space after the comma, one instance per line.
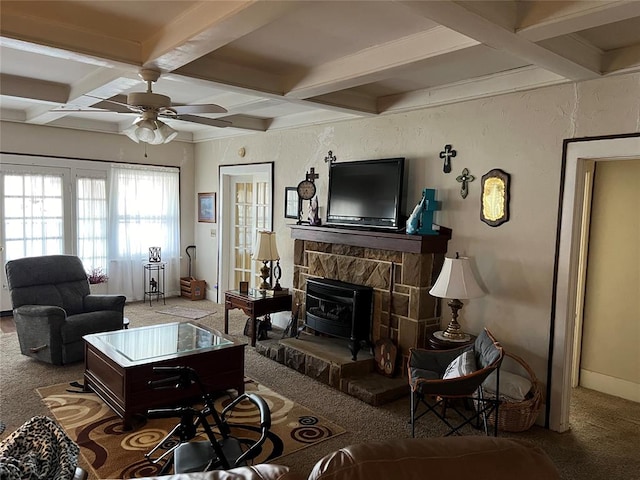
(282,64)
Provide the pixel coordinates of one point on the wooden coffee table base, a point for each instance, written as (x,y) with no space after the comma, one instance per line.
(126,389)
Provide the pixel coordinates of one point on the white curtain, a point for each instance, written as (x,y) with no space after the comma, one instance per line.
(92,223)
(144,212)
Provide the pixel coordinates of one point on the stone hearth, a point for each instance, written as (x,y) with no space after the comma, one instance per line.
(400,268)
(328,360)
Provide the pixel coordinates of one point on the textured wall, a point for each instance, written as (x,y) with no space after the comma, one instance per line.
(521,133)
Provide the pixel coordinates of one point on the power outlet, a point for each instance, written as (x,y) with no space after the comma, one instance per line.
(213,232)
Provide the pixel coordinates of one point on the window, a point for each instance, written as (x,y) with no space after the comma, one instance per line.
(109,215)
(144,212)
(33,214)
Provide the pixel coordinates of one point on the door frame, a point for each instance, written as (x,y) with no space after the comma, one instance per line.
(225,173)
(577,153)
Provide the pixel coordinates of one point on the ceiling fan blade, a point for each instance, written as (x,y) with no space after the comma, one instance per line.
(116,104)
(202,108)
(212,122)
(76,109)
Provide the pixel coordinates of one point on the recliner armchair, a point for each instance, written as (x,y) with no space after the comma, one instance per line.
(53,308)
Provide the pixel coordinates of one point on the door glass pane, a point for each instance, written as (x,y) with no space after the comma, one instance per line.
(33,207)
(242,241)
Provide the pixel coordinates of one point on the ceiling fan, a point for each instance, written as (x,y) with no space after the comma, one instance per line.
(150,107)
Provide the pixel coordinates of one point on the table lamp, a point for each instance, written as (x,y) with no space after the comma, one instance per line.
(266,251)
(456,281)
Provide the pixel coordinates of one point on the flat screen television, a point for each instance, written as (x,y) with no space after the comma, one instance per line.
(366,194)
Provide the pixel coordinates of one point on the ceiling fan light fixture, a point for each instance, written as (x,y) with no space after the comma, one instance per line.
(148,129)
(131,132)
(166,132)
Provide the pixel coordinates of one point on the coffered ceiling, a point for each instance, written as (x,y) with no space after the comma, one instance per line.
(281,64)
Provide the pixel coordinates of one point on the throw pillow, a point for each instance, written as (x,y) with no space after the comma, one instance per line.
(512,386)
(462,365)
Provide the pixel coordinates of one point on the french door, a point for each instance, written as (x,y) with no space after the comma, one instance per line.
(34,215)
(246,207)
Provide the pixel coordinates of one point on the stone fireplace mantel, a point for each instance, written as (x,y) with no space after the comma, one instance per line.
(400,268)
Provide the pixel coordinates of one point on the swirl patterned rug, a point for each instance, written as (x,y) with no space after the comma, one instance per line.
(114,453)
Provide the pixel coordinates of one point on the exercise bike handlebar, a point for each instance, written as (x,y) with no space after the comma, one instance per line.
(265,423)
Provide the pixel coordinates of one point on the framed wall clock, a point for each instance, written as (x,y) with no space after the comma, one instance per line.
(306,191)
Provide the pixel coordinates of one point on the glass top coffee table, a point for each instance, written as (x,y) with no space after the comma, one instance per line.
(119,365)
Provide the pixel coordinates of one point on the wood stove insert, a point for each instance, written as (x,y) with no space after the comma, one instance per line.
(340,309)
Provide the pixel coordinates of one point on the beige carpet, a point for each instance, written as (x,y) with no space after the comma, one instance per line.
(184,312)
(114,453)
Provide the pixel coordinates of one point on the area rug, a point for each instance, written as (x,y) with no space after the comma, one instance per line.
(184,312)
(115,453)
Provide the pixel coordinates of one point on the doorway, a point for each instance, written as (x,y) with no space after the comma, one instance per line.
(246,207)
(578,155)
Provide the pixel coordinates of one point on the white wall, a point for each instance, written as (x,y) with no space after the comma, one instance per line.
(610,360)
(41,140)
(521,133)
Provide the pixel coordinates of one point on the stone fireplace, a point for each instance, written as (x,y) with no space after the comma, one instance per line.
(400,268)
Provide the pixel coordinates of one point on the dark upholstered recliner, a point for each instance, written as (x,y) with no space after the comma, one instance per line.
(53,308)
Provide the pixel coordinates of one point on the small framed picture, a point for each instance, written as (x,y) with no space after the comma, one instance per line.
(154,254)
(207,207)
(290,202)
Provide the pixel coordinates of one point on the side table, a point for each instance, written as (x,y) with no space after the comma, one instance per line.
(255,304)
(153,281)
(437,342)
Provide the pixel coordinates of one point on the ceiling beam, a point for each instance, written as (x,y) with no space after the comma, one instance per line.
(70,41)
(34,89)
(622,60)
(521,79)
(206,27)
(239,79)
(542,20)
(472,24)
(377,63)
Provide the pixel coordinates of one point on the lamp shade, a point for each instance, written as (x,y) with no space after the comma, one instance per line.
(457,280)
(266,249)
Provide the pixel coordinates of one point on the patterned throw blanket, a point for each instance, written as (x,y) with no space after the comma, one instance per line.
(38,450)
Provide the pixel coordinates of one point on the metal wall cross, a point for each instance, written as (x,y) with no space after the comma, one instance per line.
(330,157)
(312,175)
(447,154)
(464,179)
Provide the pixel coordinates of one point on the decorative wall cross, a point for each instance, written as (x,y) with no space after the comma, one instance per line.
(447,154)
(464,179)
(312,175)
(330,157)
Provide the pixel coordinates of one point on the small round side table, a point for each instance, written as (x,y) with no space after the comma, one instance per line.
(438,342)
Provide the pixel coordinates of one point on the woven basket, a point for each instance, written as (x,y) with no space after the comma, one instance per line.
(520,416)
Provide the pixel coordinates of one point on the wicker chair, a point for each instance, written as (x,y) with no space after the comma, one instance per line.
(437,377)
(53,308)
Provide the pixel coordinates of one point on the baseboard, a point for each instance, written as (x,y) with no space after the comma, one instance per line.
(6,313)
(610,385)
